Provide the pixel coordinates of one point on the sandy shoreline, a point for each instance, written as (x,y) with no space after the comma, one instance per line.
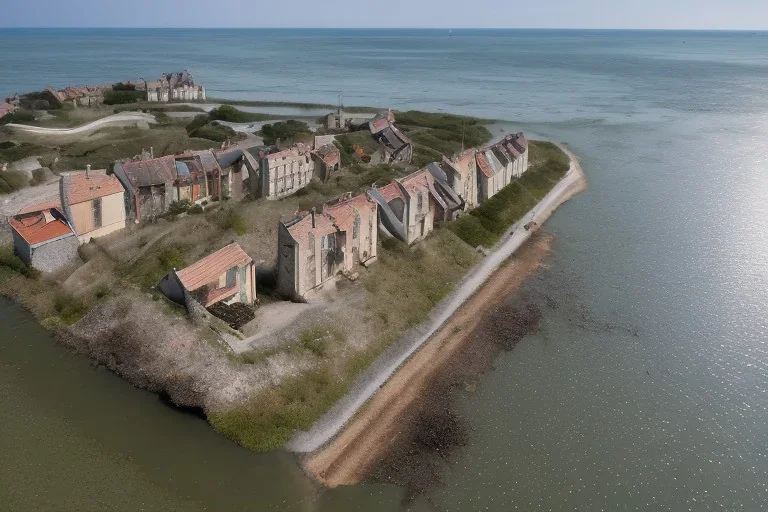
(375,427)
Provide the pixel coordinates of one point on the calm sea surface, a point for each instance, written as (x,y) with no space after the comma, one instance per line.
(647,387)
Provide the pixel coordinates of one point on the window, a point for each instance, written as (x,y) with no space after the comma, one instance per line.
(322,242)
(419,201)
(356,227)
(96,205)
(231,277)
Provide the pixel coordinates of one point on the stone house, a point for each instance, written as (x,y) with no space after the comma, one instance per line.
(148,185)
(239,172)
(327,161)
(44,239)
(228,275)
(398,148)
(315,247)
(500,163)
(286,171)
(175,87)
(408,206)
(94,203)
(462,176)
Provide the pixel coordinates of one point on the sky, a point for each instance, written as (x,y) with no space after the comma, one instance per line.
(647,14)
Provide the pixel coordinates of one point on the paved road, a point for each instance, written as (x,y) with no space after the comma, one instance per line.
(122,119)
(334,420)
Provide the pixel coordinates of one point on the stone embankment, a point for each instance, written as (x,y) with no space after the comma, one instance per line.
(349,455)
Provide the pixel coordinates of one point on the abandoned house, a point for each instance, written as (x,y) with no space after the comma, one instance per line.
(44,239)
(341,120)
(174,87)
(397,146)
(462,176)
(327,161)
(85,96)
(500,163)
(197,175)
(239,172)
(408,206)
(286,171)
(228,275)
(448,202)
(315,247)
(148,185)
(93,201)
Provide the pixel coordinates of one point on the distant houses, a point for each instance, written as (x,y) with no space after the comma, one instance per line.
(175,87)
(500,163)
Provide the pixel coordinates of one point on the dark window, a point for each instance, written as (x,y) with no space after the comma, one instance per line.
(231,277)
(96,204)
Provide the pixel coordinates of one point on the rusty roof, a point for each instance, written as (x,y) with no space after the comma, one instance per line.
(81,187)
(146,173)
(208,269)
(40,227)
(482,163)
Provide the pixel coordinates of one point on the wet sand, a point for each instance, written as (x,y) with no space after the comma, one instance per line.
(391,438)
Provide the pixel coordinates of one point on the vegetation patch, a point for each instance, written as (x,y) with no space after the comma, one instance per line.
(231,114)
(286,131)
(435,134)
(11,181)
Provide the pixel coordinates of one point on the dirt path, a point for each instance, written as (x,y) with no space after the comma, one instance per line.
(349,457)
(122,119)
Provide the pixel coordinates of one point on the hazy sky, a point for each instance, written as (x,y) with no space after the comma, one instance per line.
(693,14)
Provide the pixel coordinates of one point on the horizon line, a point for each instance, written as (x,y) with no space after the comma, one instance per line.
(187,27)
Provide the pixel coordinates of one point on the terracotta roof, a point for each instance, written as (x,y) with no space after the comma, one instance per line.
(81,188)
(520,141)
(328,149)
(145,173)
(38,207)
(379,124)
(390,191)
(512,149)
(300,228)
(482,163)
(40,227)
(419,180)
(208,269)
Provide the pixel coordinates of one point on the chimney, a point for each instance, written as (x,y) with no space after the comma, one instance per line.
(87,171)
(313,217)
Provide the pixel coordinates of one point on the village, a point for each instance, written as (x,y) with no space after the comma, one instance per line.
(264,243)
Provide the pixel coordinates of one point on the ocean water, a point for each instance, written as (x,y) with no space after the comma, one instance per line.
(647,386)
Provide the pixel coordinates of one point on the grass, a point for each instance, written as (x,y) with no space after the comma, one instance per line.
(232,115)
(485,224)
(435,135)
(346,143)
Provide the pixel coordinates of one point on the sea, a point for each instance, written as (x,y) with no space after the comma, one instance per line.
(646,387)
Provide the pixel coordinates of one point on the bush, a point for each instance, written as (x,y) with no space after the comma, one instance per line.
(178,207)
(20,116)
(195,210)
(10,181)
(121,97)
(69,308)
(39,176)
(197,122)
(214,132)
(10,261)
(34,101)
(233,115)
(229,219)
(284,130)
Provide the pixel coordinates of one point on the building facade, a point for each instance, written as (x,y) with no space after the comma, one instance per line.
(315,247)
(175,87)
(93,202)
(44,239)
(286,171)
(408,206)
(501,163)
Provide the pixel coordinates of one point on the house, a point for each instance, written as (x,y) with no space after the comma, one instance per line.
(327,161)
(341,120)
(408,206)
(148,185)
(284,172)
(500,163)
(44,239)
(174,87)
(315,247)
(227,276)
(239,171)
(93,201)
(397,146)
(449,202)
(462,176)
(197,175)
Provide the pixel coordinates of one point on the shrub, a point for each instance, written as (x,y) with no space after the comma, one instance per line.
(10,261)
(69,308)
(229,219)
(39,177)
(284,130)
(195,210)
(121,97)
(214,132)
(10,181)
(233,115)
(178,207)
(18,116)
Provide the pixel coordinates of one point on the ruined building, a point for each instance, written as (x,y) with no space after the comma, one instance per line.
(317,246)
(327,161)
(500,163)
(286,171)
(461,172)
(398,148)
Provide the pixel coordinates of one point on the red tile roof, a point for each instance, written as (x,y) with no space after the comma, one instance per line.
(40,227)
(209,269)
(483,164)
(38,207)
(378,125)
(391,191)
(81,187)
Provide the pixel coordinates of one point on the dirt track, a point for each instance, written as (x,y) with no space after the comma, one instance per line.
(349,458)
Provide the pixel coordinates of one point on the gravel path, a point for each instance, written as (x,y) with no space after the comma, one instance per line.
(377,375)
(122,119)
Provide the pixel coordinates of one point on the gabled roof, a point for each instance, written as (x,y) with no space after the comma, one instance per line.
(483,164)
(208,269)
(81,187)
(38,207)
(146,173)
(41,227)
(391,191)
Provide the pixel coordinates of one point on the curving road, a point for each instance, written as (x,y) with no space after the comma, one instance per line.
(122,119)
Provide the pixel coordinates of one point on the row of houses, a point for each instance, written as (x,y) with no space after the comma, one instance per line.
(316,246)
